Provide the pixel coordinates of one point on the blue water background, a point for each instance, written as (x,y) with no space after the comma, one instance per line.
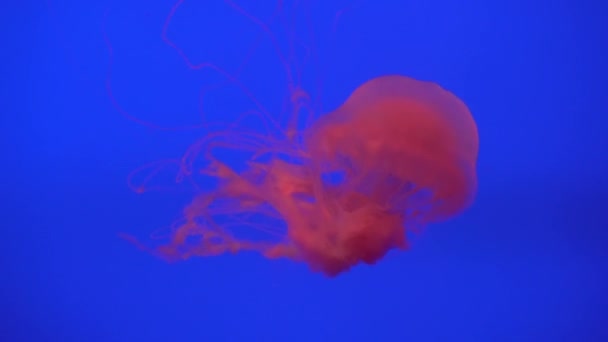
(528,262)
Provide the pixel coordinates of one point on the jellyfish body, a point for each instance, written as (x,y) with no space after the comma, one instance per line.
(403,154)
(397,128)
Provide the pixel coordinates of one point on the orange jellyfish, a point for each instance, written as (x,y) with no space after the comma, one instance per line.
(397,155)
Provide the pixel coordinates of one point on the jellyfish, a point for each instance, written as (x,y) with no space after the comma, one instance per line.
(397,155)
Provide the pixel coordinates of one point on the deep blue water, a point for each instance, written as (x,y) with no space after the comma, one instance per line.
(528,262)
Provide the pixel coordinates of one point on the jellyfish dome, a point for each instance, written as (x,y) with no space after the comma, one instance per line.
(397,129)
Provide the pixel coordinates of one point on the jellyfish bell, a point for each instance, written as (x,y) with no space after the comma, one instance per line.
(401,140)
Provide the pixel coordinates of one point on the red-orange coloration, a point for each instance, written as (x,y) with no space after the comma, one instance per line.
(346,189)
(406,150)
